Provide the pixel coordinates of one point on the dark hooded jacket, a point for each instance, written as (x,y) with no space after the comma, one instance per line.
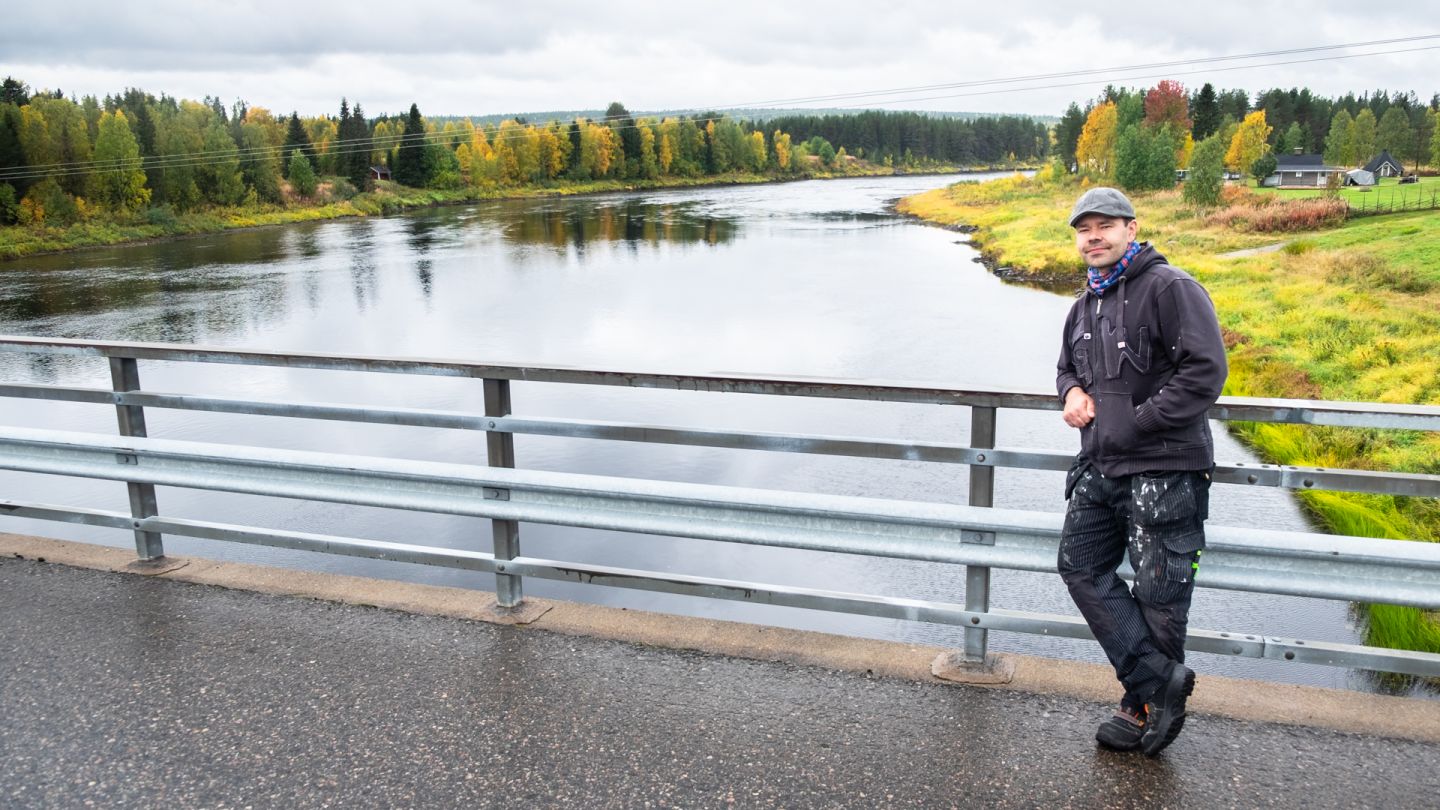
(1149,353)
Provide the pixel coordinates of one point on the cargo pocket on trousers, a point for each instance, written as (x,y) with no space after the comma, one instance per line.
(1169,525)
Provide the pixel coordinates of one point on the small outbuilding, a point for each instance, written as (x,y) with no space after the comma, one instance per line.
(379,173)
(1383,165)
(1299,171)
(1359,177)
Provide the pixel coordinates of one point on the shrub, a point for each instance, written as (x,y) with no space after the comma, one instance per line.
(341,188)
(1277,215)
(1239,195)
(161,215)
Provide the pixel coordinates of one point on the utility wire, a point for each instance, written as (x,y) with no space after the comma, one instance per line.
(369,144)
(1164,75)
(1074,73)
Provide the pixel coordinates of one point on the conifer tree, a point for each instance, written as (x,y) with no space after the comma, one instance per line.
(1067,133)
(297,138)
(574,163)
(409,166)
(357,149)
(12,154)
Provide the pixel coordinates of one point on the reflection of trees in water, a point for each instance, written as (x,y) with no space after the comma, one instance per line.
(361,245)
(178,305)
(305,242)
(159,274)
(426,275)
(634,223)
(420,235)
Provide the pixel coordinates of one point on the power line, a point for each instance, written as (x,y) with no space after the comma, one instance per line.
(1073,73)
(1165,75)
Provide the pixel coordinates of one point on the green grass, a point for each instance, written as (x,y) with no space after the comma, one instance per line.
(1342,313)
(1384,191)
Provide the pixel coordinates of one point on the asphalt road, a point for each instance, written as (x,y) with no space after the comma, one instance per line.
(124,691)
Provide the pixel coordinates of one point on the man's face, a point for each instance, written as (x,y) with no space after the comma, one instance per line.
(1102,240)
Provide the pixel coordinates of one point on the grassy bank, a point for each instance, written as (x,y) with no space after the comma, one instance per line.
(1343,312)
(388,198)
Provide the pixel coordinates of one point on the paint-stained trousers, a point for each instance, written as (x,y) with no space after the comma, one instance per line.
(1158,518)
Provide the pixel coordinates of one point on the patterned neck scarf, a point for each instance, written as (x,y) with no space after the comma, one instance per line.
(1100,281)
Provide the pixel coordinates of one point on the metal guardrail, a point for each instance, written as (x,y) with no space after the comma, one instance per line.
(976,536)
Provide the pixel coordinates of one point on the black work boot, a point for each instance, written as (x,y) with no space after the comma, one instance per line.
(1165,712)
(1122,732)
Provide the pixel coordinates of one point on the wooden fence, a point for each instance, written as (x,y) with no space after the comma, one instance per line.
(1396,201)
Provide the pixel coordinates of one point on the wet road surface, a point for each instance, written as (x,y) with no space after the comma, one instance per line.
(128,691)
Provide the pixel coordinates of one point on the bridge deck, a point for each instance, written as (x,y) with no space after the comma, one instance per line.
(127,690)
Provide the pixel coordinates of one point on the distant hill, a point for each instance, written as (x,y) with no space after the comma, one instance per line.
(758,115)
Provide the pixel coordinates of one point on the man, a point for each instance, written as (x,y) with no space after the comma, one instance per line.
(1140,363)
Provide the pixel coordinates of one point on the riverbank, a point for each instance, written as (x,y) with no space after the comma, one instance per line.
(18,241)
(1349,312)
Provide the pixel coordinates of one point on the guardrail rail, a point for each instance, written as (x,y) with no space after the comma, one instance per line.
(977,536)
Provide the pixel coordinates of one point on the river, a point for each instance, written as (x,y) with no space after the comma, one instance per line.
(815,279)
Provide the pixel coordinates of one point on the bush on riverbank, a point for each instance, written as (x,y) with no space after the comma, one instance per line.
(1279,215)
(1354,314)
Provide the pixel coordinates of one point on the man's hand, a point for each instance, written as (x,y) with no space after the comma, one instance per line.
(1079,408)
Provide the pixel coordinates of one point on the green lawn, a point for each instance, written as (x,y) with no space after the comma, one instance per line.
(1388,192)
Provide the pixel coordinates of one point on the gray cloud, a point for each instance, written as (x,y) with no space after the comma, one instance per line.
(453,57)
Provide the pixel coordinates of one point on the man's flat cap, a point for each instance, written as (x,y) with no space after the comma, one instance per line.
(1102,200)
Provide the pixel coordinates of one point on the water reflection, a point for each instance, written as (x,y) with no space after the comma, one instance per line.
(42,289)
(634,222)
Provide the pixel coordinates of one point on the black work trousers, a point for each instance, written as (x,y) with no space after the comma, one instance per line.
(1158,518)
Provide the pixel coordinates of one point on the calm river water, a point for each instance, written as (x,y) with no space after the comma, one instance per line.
(801,279)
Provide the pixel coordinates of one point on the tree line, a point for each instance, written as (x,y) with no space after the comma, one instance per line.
(1137,138)
(901,138)
(64,159)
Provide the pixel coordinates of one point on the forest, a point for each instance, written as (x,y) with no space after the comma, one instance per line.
(65,160)
(1138,138)
(133,157)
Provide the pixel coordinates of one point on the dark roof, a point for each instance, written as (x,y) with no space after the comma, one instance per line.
(1381,159)
(1293,162)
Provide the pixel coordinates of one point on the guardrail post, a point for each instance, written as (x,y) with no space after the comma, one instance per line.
(982,493)
(125,377)
(500,452)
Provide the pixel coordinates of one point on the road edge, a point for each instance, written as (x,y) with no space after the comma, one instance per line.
(1248,700)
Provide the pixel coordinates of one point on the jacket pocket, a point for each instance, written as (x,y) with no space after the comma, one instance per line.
(1080,354)
(1116,431)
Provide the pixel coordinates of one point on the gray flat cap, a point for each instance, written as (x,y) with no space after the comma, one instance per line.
(1102,200)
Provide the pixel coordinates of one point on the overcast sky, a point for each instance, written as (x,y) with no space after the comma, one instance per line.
(459,58)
